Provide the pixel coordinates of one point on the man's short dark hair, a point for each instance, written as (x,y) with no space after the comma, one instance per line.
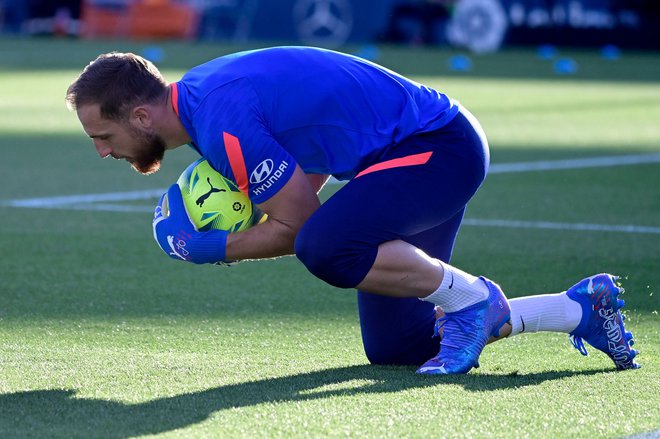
(117,82)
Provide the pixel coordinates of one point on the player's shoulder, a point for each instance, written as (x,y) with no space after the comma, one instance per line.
(267,61)
(211,75)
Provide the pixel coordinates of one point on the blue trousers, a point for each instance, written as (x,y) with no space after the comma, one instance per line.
(422,204)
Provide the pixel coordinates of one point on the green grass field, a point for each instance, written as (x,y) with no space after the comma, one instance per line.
(103,336)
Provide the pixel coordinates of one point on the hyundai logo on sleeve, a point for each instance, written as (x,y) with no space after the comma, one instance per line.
(265,175)
(261,172)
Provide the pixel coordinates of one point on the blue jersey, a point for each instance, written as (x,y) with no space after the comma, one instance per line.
(255,115)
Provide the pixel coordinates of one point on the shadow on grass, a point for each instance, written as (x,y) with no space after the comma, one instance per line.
(59,413)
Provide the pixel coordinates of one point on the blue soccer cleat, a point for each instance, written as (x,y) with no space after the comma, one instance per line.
(466,332)
(602,322)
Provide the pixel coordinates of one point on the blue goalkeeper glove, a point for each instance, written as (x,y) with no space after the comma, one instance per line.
(178,238)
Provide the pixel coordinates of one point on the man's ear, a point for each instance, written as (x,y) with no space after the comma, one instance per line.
(141,117)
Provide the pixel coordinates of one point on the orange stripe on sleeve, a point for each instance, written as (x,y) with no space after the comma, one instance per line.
(410,160)
(236,161)
(175,97)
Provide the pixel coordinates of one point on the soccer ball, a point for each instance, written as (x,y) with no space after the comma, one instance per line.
(215,202)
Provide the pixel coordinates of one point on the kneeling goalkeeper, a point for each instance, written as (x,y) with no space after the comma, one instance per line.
(279,122)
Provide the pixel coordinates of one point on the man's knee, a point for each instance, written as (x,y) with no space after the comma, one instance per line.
(397,331)
(384,356)
(330,258)
(386,353)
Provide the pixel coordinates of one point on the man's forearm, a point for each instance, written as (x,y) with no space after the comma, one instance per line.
(269,239)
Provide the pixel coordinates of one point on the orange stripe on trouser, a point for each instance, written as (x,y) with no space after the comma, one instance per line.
(410,160)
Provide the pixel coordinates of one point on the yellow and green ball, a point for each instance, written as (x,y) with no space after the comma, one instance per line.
(215,202)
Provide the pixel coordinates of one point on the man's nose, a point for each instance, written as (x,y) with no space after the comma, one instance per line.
(103,150)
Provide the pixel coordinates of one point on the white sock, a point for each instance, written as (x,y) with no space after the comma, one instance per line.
(457,290)
(546,312)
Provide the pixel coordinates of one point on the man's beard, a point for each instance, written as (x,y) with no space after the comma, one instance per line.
(152,150)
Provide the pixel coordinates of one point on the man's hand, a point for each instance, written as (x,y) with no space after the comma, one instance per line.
(177,236)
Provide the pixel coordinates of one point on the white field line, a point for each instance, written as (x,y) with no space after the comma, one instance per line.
(105,201)
(68,200)
(619,228)
(591,162)
(655,434)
